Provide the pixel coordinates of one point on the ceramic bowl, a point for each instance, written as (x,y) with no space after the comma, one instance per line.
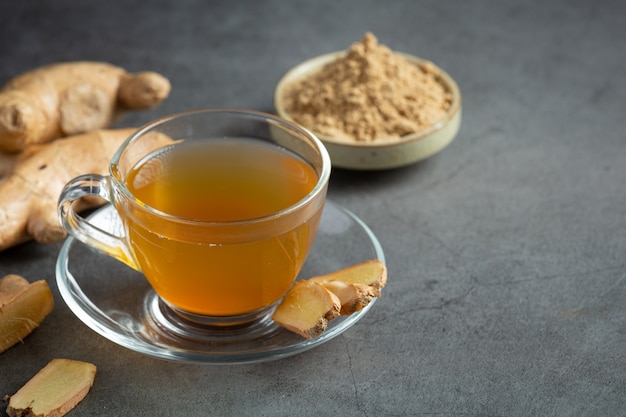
(380,153)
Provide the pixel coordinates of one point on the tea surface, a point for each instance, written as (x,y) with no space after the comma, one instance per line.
(226,180)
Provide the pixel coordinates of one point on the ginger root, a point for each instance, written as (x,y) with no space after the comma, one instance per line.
(71,98)
(23,307)
(54,390)
(310,304)
(30,192)
(8,161)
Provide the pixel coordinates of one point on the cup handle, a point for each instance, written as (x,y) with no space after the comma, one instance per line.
(80,228)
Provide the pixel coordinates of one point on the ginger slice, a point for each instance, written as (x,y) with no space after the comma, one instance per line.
(54,390)
(307,308)
(311,303)
(357,285)
(372,272)
(23,307)
(352,296)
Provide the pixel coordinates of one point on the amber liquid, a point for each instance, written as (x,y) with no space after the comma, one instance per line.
(228,268)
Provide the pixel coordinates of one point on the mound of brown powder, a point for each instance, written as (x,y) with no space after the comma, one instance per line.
(370,93)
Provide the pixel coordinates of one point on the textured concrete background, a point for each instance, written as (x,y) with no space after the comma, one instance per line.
(506,251)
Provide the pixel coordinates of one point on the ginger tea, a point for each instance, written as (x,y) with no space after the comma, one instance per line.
(221,255)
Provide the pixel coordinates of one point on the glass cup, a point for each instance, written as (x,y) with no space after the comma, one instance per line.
(219,210)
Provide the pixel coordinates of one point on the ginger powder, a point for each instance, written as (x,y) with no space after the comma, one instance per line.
(369,94)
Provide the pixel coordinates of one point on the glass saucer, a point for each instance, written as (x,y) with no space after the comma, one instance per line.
(116,301)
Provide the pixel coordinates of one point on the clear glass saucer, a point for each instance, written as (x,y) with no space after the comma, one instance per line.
(116,301)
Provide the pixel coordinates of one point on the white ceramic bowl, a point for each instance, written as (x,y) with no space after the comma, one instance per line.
(384,153)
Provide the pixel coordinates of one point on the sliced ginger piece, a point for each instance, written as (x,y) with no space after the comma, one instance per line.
(357,285)
(353,297)
(372,272)
(307,308)
(54,390)
(23,307)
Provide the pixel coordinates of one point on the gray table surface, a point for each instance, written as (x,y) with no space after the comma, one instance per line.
(506,251)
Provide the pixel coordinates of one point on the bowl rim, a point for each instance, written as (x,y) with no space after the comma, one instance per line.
(313,64)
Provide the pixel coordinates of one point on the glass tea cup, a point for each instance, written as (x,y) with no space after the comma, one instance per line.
(219,208)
